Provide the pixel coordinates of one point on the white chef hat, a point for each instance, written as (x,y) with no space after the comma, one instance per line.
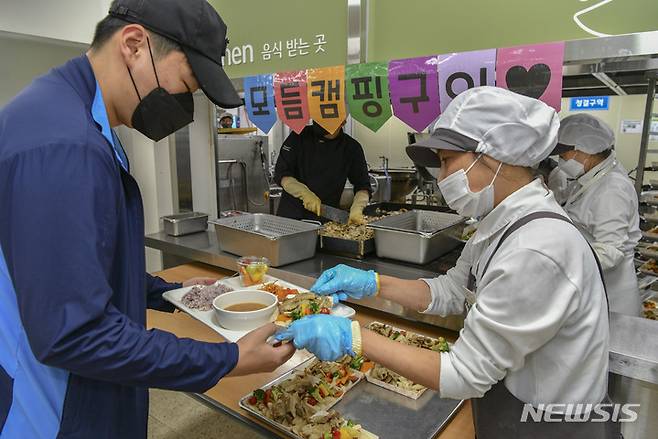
(504,125)
(585,133)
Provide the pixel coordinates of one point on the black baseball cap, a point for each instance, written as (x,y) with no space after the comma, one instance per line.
(198,29)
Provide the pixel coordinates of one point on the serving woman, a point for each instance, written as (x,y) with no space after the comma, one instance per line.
(536,329)
(594,189)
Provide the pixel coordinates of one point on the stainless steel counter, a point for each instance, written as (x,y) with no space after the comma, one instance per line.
(633,344)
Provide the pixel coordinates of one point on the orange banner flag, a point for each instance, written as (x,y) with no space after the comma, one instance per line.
(326,96)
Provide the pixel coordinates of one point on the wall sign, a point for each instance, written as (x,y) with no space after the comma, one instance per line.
(367,93)
(460,71)
(589,103)
(534,71)
(259,100)
(326,96)
(290,95)
(414,85)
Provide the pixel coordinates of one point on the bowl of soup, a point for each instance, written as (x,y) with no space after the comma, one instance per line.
(244,310)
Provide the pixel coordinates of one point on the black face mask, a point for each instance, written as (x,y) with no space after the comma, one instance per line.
(161,113)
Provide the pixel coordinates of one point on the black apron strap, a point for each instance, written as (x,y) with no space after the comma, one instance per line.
(520,223)
(497,414)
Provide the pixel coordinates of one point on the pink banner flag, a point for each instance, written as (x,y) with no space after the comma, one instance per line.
(414,87)
(534,71)
(291,99)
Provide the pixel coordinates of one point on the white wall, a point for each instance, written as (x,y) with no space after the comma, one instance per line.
(24,58)
(69,20)
(150,165)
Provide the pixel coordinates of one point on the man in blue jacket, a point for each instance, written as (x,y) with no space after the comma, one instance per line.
(75,357)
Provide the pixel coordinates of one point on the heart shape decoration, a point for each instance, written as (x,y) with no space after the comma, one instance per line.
(532,83)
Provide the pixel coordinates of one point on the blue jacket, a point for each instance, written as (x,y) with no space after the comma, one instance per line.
(75,357)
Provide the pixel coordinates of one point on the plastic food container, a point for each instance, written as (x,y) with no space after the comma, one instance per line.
(252,269)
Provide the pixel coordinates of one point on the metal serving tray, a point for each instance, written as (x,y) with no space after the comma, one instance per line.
(185,223)
(281,240)
(300,367)
(347,247)
(384,413)
(417,236)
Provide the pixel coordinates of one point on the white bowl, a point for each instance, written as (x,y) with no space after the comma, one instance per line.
(245,321)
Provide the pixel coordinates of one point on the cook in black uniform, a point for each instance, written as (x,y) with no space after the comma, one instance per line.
(312,169)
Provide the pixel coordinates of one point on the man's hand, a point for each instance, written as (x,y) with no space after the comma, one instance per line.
(255,355)
(199,281)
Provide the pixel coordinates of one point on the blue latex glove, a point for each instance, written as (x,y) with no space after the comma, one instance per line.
(344,281)
(328,337)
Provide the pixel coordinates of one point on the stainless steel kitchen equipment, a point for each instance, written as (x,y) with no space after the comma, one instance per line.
(241,173)
(281,240)
(402,181)
(347,247)
(185,223)
(418,236)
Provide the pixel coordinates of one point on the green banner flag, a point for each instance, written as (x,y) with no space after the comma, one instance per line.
(367,93)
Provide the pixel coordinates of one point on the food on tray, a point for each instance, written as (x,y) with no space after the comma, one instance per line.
(347,231)
(393,379)
(302,402)
(303,304)
(279,291)
(388,376)
(409,338)
(468,233)
(651,266)
(252,269)
(650,310)
(201,296)
(354,232)
(653,230)
(294,304)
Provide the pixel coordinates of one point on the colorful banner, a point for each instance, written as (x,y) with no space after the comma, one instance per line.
(460,71)
(534,71)
(414,85)
(290,95)
(367,93)
(326,96)
(259,100)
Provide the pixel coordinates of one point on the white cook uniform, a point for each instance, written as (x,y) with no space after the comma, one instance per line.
(540,318)
(603,204)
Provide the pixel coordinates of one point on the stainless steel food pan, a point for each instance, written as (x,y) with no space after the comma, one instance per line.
(185,223)
(281,240)
(418,236)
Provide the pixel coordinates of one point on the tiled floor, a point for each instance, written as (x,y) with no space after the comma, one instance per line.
(174,415)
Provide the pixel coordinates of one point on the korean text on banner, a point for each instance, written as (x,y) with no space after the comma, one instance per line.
(326,96)
(460,71)
(415,90)
(259,100)
(291,99)
(367,93)
(534,71)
